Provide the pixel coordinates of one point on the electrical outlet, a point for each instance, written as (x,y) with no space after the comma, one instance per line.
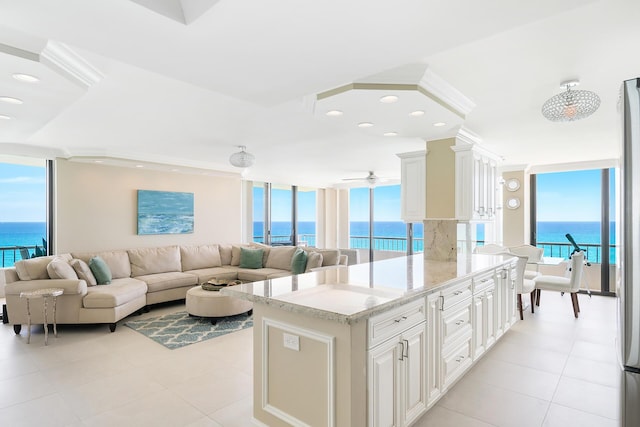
(292,342)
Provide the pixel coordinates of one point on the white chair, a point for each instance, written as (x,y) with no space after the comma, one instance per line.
(569,284)
(534,255)
(490,249)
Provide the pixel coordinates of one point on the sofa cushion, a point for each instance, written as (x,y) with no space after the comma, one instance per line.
(196,257)
(280,257)
(146,261)
(59,268)
(265,248)
(251,257)
(169,280)
(118,261)
(225,253)
(206,274)
(235,254)
(100,270)
(36,268)
(298,261)
(329,256)
(254,275)
(314,260)
(83,271)
(121,291)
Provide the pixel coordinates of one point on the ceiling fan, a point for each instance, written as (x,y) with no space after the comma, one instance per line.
(371,179)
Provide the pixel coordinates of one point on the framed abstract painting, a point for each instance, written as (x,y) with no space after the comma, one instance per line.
(165,212)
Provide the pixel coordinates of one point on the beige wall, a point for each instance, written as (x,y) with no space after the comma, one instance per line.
(514,220)
(96,207)
(441,180)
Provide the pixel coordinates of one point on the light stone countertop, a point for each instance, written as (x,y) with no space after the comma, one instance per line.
(355,293)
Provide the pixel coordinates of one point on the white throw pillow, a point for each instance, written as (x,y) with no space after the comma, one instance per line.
(83,271)
(60,269)
(314,260)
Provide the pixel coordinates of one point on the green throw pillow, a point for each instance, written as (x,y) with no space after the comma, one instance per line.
(298,261)
(251,258)
(100,270)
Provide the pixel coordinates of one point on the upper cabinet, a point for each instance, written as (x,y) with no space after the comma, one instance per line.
(413,191)
(476,181)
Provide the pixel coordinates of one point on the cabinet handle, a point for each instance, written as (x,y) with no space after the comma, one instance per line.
(406,348)
(483,280)
(401,319)
(401,351)
(460,359)
(441,303)
(460,322)
(457,292)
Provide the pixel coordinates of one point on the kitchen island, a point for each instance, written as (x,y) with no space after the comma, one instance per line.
(376,343)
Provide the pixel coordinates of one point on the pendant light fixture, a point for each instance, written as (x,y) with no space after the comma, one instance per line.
(570,105)
(242,159)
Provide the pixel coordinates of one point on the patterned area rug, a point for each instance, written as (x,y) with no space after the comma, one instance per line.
(179,329)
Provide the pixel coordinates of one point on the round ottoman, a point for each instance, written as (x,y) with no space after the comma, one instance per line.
(213,304)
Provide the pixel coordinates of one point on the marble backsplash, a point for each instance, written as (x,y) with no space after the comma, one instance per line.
(440,239)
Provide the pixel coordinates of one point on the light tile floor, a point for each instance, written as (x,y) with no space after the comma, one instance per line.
(548,370)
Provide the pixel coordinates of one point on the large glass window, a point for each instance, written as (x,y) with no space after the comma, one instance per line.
(359,218)
(306,216)
(258,212)
(281,215)
(23,216)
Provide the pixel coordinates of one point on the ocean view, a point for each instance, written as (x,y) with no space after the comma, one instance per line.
(388,235)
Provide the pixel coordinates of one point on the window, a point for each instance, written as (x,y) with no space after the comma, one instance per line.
(281,215)
(258,212)
(23,217)
(306,215)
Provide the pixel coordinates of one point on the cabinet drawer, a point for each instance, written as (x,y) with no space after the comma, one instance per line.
(393,322)
(453,295)
(456,321)
(483,281)
(455,362)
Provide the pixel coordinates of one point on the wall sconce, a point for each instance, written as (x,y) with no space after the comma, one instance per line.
(512,184)
(513,203)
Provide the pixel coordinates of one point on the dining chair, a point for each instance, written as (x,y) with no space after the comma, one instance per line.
(534,255)
(569,284)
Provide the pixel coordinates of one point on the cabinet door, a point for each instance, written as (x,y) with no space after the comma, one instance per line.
(478,210)
(433,348)
(479,329)
(511,298)
(384,362)
(413,374)
(490,318)
(413,191)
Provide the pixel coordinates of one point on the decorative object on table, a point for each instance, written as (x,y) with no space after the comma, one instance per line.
(570,105)
(177,330)
(216,285)
(242,159)
(165,212)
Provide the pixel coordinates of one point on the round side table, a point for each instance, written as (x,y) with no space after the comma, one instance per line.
(52,293)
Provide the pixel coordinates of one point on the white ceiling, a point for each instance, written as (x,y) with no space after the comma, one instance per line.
(246,72)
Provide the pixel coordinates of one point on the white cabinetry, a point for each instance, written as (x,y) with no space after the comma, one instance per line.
(397,366)
(476,183)
(484,317)
(413,193)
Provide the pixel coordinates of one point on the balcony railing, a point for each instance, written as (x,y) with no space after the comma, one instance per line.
(11,254)
(395,244)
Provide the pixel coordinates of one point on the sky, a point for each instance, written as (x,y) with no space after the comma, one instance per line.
(386,203)
(22,193)
(571,196)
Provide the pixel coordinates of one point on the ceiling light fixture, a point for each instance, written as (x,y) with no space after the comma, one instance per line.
(389,99)
(334,113)
(27,78)
(10,100)
(365,125)
(4,117)
(417,113)
(139,166)
(242,159)
(439,124)
(390,134)
(570,105)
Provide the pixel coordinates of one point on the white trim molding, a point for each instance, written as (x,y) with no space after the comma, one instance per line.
(440,88)
(65,60)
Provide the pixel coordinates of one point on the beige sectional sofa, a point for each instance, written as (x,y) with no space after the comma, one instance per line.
(140,277)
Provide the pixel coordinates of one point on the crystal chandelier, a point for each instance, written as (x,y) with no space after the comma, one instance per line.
(570,105)
(242,159)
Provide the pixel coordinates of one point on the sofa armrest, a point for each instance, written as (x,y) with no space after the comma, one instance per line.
(70,286)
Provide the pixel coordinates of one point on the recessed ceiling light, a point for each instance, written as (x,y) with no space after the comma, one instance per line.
(334,113)
(4,117)
(365,125)
(27,78)
(174,170)
(10,100)
(389,99)
(417,113)
(438,124)
(97,161)
(390,134)
(139,166)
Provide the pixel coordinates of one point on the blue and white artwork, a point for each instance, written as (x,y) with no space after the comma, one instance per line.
(165,212)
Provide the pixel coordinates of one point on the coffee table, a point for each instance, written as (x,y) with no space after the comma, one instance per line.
(213,305)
